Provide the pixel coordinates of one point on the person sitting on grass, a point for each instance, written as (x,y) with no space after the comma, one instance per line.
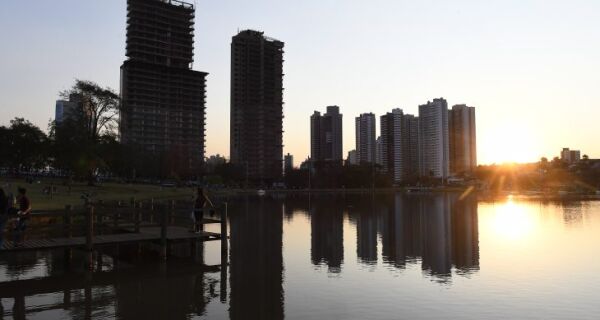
(23,215)
(202,201)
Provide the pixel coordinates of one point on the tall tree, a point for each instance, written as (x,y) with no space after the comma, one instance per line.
(23,146)
(99,108)
(83,140)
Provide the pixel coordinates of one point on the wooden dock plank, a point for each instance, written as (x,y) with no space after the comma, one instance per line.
(145,234)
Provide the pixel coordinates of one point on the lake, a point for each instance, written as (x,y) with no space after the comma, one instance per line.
(327,256)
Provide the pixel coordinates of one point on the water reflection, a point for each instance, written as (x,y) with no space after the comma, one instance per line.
(327,232)
(573,213)
(440,231)
(174,291)
(465,236)
(256,259)
(281,246)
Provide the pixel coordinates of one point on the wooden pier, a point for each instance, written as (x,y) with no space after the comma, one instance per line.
(102,225)
(145,235)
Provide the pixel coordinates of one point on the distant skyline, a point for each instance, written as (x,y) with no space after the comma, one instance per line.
(529,67)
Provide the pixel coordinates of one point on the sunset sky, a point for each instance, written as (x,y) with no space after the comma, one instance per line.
(531,68)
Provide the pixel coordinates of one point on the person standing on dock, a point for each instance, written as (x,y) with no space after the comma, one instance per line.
(3,214)
(202,201)
(23,215)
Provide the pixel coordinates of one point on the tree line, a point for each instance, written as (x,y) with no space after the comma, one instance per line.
(84,145)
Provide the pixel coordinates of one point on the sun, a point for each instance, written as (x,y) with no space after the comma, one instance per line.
(508,143)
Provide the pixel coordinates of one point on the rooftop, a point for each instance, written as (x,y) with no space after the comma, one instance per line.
(178,3)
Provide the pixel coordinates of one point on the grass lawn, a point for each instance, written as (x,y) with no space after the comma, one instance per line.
(41,201)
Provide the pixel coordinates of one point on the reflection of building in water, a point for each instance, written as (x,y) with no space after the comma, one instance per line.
(465,236)
(439,229)
(170,296)
(327,233)
(401,231)
(366,232)
(256,260)
(390,227)
(435,217)
(572,212)
(295,204)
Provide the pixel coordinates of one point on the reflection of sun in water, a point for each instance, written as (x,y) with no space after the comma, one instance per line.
(512,221)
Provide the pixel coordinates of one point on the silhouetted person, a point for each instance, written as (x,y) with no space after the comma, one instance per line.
(24,206)
(200,204)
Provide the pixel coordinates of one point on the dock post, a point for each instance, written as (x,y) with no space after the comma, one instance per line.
(163,234)
(224,243)
(98,212)
(67,221)
(137,212)
(223,283)
(68,227)
(87,296)
(89,237)
(19,310)
(224,260)
(131,212)
(116,215)
(151,218)
(66,299)
(194,249)
(172,211)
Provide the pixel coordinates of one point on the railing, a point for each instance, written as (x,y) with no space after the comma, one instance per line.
(113,218)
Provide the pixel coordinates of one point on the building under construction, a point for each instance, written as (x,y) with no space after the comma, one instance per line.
(257,106)
(163,99)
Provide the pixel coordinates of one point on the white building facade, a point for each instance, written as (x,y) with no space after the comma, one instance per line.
(365,138)
(434,154)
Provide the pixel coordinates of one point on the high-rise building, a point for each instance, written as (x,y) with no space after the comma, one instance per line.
(352,158)
(434,139)
(392,153)
(163,99)
(570,156)
(256,140)
(288,162)
(463,143)
(410,146)
(326,135)
(66,108)
(378,151)
(365,138)
(400,145)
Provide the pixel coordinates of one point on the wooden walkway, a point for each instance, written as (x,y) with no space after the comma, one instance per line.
(114,225)
(146,234)
(75,280)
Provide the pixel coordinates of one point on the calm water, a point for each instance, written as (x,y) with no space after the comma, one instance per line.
(336,257)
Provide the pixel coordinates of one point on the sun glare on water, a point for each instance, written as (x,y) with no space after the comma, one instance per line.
(513,222)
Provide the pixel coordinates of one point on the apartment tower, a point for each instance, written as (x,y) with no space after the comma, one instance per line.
(256,141)
(463,142)
(400,145)
(434,139)
(326,135)
(392,144)
(365,138)
(163,99)
(410,146)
